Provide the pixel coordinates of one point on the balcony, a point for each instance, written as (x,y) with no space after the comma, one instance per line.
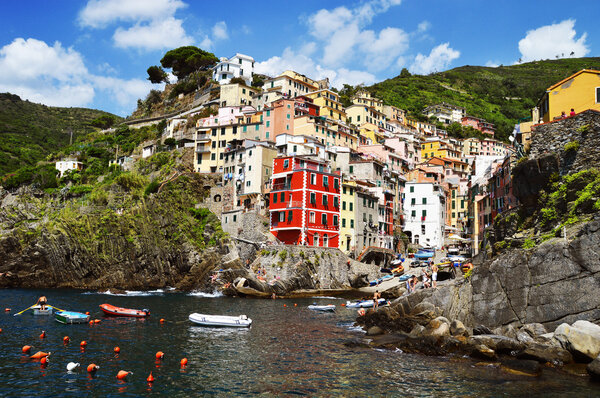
(281,187)
(202,150)
(203,138)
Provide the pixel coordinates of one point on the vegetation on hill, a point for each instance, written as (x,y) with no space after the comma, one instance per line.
(503,95)
(29,131)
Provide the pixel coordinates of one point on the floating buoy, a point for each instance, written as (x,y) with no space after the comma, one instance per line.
(122,374)
(83,344)
(43,335)
(162,320)
(91,322)
(7,309)
(159,355)
(295,305)
(0,330)
(343,304)
(87,312)
(96,320)
(71,366)
(66,339)
(285,305)
(117,350)
(26,349)
(183,362)
(92,368)
(150,378)
(44,361)
(39,354)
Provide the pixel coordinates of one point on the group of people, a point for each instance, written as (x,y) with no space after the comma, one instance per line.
(564,115)
(429,279)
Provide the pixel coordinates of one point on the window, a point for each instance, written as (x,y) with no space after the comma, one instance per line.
(413,201)
(598,95)
(325,181)
(351,206)
(351,223)
(313,179)
(234,218)
(286,163)
(364,217)
(413,213)
(453,205)
(288,116)
(336,184)
(351,169)
(282,197)
(336,201)
(269,112)
(424,201)
(268,123)
(324,219)
(424,213)
(344,205)
(281,216)
(422,229)
(223,131)
(214,144)
(213,156)
(213,132)
(343,223)
(335,220)
(248,183)
(290,215)
(275,198)
(453,215)
(313,198)
(412,189)
(324,200)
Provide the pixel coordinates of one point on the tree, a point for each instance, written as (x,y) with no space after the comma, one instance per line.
(187,59)
(237,80)
(257,81)
(156,74)
(405,73)
(103,122)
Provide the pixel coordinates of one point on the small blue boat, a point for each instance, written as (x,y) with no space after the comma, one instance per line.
(67,317)
(379,280)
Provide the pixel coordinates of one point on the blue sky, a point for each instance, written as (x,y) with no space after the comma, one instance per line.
(95,53)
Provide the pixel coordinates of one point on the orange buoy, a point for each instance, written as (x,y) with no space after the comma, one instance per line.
(343,304)
(122,374)
(92,368)
(295,305)
(162,320)
(26,349)
(96,320)
(66,339)
(7,309)
(43,335)
(183,362)
(285,305)
(0,330)
(87,312)
(160,355)
(91,322)
(117,350)
(150,378)
(83,344)
(39,354)
(44,360)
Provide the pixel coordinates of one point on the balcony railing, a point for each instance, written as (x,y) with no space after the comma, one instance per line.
(281,187)
(202,150)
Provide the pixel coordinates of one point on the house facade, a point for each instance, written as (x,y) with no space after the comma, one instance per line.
(425,213)
(239,65)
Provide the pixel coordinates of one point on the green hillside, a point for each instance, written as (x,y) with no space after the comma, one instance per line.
(501,95)
(29,132)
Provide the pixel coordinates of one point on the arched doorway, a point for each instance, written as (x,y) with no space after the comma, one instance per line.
(316,240)
(325,240)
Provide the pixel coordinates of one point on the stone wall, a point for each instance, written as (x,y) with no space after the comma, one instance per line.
(584,128)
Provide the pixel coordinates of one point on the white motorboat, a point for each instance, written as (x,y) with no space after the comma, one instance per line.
(37,310)
(325,308)
(241,321)
(364,303)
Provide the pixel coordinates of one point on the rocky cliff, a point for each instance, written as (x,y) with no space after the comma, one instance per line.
(129,241)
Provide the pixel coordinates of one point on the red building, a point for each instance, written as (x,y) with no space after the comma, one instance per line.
(500,188)
(304,205)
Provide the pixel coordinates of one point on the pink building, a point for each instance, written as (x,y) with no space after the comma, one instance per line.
(479,124)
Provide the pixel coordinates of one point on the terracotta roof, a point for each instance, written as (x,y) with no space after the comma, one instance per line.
(571,77)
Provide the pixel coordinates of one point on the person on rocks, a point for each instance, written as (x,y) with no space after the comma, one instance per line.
(426,283)
(376,298)
(434,272)
(412,285)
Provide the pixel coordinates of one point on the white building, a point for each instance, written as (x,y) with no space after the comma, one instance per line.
(446,113)
(425,213)
(68,164)
(239,65)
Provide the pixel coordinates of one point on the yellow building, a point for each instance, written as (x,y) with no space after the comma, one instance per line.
(328,132)
(235,94)
(580,92)
(361,114)
(471,147)
(365,98)
(329,104)
(371,132)
(347,228)
(457,209)
(438,148)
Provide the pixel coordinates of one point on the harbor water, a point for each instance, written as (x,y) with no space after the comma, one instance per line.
(288,351)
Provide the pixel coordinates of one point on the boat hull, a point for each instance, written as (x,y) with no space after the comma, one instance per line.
(364,303)
(70,317)
(37,311)
(322,308)
(220,320)
(111,310)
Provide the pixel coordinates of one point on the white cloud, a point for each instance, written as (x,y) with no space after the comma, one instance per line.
(553,40)
(149,24)
(304,64)
(382,50)
(423,27)
(219,31)
(57,76)
(155,35)
(438,59)
(99,13)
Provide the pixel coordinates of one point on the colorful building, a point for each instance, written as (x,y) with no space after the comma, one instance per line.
(580,91)
(479,124)
(328,103)
(239,65)
(348,216)
(304,206)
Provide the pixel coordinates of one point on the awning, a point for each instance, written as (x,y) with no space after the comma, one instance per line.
(457,238)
